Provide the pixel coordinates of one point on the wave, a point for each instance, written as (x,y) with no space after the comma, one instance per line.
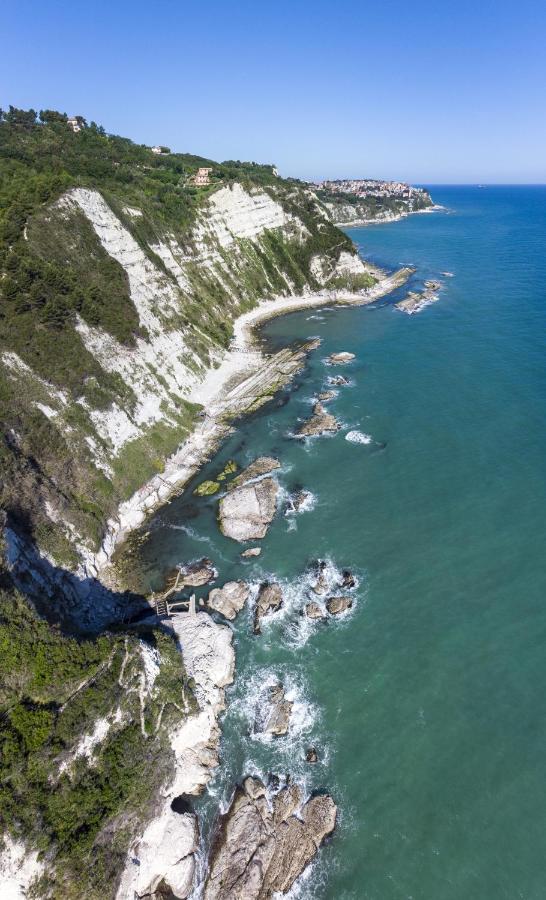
(358,437)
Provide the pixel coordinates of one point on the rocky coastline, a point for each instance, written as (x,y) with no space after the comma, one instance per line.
(246,378)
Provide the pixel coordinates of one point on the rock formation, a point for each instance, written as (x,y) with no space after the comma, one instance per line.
(319,423)
(250,502)
(230,599)
(314,611)
(252,551)
(273,716)
(337,605)
(336,359)
(262,847)
(269,601)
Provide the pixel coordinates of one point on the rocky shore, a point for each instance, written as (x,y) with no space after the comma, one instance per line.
(246,378)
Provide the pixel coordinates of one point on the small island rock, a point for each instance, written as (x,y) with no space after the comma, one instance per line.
(336,359)
(250,502)
(320,422)
(269,600)
(337,605)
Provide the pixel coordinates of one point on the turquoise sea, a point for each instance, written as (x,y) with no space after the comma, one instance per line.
(427,702)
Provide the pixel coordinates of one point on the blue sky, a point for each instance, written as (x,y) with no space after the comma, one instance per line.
(422,91)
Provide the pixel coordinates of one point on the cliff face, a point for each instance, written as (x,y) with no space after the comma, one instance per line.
(341,211)
(93,405)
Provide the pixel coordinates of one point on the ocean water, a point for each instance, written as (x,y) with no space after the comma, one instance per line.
(426,702)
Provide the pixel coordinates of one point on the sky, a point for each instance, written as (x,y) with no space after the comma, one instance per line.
(426,92)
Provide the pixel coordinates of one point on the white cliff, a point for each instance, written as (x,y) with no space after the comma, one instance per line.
(164,853)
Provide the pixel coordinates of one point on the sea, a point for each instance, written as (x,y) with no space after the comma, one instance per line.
(426,702)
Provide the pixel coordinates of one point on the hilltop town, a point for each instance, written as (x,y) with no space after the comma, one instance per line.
(358,201)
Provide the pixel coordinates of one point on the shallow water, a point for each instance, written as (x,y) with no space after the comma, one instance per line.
(425,702)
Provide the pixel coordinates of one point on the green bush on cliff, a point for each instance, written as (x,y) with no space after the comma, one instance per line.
(53,689)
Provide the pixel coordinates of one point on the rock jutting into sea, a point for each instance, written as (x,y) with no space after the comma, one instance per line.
(263,846)
(418,300)
(321,422)
(273,714)
(324,396)
(250,503)
(338,380)
(196,574)
(230,599)
(269,601)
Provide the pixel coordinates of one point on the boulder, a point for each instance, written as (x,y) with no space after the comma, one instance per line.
(269,600)
(336,359)
(337,605)
(252,551)
(321,584)
(348,580)
(230,599)
(250,502)
(319,423)
(273,716)
(311,755)
(314,611)
(262,848)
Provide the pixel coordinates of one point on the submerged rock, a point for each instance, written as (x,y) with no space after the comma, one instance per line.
(337,605)
(252,551)
(273,717)
(262,848)
(319,423)
(250,502)
(230,599)
(269,600)
(336,359)
(338,380)
(206,488)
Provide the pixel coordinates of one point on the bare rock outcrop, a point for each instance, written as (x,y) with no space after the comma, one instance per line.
(273,716)
(269,600)
(262,847)
(337,605)
(320,422)
(230,599)
(336,359)
(250,502)
(313,610)
(252,551)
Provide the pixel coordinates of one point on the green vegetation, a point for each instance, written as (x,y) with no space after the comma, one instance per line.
(55,274)
(53,689)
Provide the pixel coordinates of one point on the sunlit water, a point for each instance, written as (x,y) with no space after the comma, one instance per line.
(426,702)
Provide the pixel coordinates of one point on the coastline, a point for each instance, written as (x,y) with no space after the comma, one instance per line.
(386,220)
(245,379)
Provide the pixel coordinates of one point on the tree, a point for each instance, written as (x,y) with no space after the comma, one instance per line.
(24,117)
(51,116)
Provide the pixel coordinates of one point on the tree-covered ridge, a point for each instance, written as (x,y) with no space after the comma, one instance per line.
(53,690)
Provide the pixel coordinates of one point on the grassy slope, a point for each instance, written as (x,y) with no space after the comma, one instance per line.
(53,268)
